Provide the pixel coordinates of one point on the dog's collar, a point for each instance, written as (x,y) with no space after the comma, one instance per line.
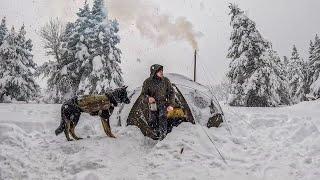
(112,99)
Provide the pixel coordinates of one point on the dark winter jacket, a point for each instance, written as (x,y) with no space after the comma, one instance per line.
(158,88)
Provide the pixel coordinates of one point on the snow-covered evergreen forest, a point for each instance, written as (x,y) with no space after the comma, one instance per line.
(259,77)
(86,60)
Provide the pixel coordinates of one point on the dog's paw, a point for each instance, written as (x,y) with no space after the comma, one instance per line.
(112,136)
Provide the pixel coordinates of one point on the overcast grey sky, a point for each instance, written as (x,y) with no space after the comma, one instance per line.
(283,22)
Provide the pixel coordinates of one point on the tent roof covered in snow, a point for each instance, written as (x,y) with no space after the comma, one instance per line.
(196,100)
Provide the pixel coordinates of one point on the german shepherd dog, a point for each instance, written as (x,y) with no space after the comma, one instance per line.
(71,111)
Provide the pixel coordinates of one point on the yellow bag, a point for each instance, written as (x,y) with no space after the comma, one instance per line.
(176,113)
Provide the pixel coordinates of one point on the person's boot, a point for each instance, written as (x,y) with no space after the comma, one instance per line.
(163,122)
(162,136)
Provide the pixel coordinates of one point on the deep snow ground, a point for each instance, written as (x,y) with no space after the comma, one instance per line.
(257,143)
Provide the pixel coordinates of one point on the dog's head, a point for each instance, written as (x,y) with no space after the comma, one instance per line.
(121,95)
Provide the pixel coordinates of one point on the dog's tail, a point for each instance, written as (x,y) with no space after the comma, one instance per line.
(61,127)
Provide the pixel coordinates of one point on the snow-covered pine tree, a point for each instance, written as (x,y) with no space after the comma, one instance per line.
(90,57)
(99,10)
(296,75)
(65,75)
(314,69)
(255,72)
(102,70)
(281,72)
(82,38)
(308,71)
(17,68)
(3,30)
(76,48)
(285,60)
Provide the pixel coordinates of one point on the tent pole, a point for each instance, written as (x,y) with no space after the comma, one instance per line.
(195,66)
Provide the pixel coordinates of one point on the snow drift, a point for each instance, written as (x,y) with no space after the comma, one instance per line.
(257,143)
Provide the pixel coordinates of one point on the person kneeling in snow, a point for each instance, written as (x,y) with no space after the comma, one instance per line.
(160,96)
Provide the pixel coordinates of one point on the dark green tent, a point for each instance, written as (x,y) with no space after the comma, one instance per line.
(196,100)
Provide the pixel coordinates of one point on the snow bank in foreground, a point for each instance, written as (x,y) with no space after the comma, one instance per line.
(256,143)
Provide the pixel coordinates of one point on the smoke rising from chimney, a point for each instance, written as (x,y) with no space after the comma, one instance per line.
(159,27)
